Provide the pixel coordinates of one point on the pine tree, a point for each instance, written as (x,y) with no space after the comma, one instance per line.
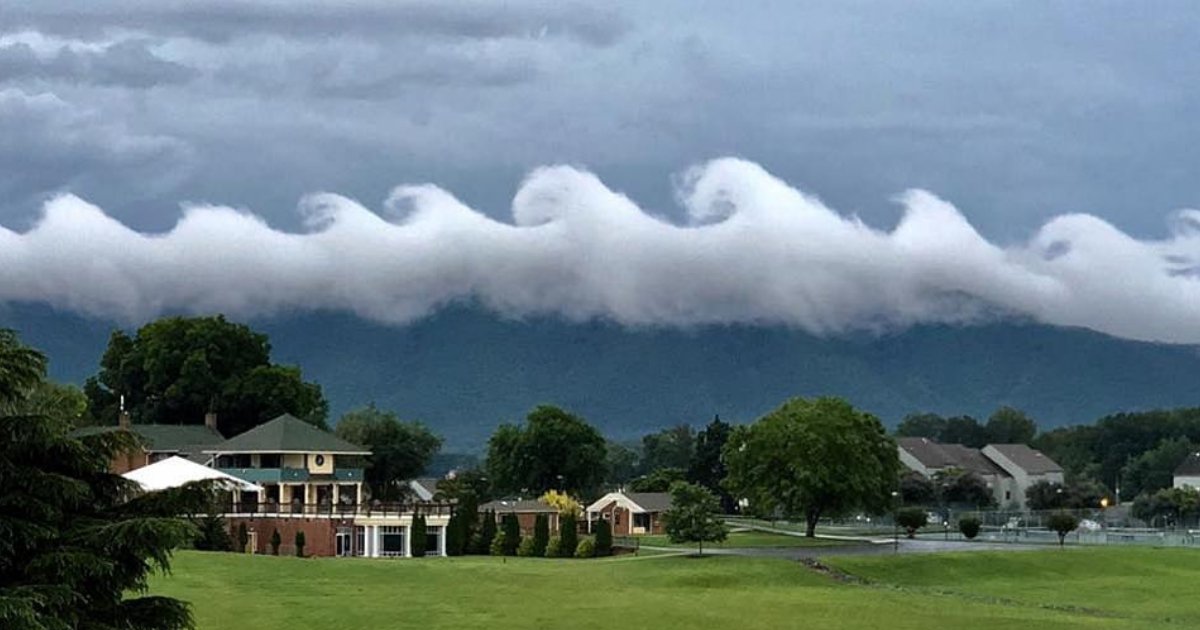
(276,540)
(487,532)
(454,537)
(418,536)
(603,538)
(541,535)
(243,537)
(79,542)
(512,534)
(299,542)
(569,535)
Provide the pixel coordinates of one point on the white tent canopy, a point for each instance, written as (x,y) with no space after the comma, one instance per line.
(173,472)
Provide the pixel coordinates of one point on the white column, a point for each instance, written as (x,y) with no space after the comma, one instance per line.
(408,541)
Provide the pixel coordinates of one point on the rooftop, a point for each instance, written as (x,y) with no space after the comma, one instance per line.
(1190,466)
(166,438)
(518,505)
(287,434)
(1030,460)
(651,501)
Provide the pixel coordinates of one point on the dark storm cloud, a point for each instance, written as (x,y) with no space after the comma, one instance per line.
(127,63)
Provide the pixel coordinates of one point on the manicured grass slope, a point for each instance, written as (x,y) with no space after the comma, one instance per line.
(749,540)
(266,593)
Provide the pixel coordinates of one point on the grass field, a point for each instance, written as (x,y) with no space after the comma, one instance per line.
(748,540)
(1073,588)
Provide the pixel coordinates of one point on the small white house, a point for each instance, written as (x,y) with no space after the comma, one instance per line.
(1187,475)
(630,513)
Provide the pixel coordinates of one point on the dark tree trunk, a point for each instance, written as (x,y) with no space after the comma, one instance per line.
(810,521)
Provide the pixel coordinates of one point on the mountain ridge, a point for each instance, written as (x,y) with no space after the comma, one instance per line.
(463,370)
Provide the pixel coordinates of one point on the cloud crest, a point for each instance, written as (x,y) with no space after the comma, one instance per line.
(753,250)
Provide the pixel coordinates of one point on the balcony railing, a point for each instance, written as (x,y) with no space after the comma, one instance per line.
(374,509)
(293,475)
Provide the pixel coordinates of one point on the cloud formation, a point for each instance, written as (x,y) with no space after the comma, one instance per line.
(753,250)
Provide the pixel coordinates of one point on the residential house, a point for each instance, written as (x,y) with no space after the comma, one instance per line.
(312,481)
(1187,475)
(1007,469)
(526,510)
(160,441)
(1026,465)
(630,512)
(424,488)
(929,458)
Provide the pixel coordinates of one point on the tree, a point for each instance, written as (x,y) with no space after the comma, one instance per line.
(1154,469)
(813,458)
(586,549)
(669,448)
(621,462)
(47,398)
(692,517)
(482,540)
(960,487)
(1010,426)
(554,450)
(564,503)
(911,519)
(926,425)
(211,534)
(276,540)
(299,541)
(79,542)
(707,467)
(916,489)
(659,480)
(243,538)
(1063,523)
(177,369)
(1169,504)
(1075,494)
(541,535)
(568,535)
(964,430)
(399,450)
(454,535)
(604,541)
(499,544)
(512,534)
(419,531)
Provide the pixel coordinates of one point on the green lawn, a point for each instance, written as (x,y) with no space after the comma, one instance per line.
(1076,588)
(748,539)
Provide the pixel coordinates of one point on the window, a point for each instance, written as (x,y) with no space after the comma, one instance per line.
(433,537)
(391,541)
(641,520)
(269,461)
(1008,495)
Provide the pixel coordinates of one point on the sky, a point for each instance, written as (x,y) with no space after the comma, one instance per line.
(832,166)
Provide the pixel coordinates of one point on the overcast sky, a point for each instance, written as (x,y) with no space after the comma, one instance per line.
(1014,113)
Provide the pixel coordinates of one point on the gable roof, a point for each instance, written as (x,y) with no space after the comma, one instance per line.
(1190,466)
(518,505)
(972,460)
(165,438)
(424,487)
(927,451)
(651,501)
(1030,460)
(287,434)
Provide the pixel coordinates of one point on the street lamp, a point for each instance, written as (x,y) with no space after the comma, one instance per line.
(895,523)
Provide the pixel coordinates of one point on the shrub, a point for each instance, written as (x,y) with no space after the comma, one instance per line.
(299,542)
(418,536)
(603,538)
(512,534)
(553,547)
(498,544)
(454,535)
(276,540)
(569,534)
(911,519)
(527,548)
(211,535)
(969,526)
(243,537)
(586,549)
(541,535)
(1063,523)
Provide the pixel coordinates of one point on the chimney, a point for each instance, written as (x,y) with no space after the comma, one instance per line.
(210,420)
(123,420)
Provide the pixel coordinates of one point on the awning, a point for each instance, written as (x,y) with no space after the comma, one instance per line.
(177,471)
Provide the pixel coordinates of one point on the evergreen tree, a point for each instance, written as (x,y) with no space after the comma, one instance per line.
(468,511)
(512,534)
(487,532)
(79,542)
(212,535)
(454,535)
(243,537)
(541,535)
(299,542)
(276,540)
(418,536)
(568,535)
(603,538)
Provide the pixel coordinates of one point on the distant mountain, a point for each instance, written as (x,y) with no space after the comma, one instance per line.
(464,371)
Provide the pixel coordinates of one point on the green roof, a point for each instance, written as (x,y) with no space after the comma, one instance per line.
(167,438)
(287,434)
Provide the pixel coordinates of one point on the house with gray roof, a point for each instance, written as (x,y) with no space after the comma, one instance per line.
(160,441)
(1187,474)
(1027,466)
(630,513)
(1007,469)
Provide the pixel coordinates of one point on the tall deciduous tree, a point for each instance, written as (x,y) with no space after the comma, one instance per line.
(1010,426)
(399,450)
(176,369)
(926,425)
(554,450)
(669,448)
(964,430)
(620,462)
(78,542)
(692,517)
(813,458)
(707,467)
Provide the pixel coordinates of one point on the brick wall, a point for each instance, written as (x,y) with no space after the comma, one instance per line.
(319,534)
